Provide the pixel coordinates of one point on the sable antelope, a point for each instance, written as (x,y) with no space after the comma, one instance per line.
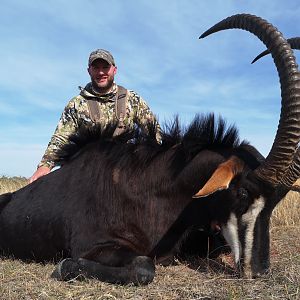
(115,207)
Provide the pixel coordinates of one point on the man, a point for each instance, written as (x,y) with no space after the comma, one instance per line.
(98,98)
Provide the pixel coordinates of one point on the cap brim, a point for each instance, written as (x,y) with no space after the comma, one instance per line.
(96,58)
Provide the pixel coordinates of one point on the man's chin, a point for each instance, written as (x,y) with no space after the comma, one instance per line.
(102,88)
(102,84)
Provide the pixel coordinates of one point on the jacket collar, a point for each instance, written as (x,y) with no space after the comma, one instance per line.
(88,92)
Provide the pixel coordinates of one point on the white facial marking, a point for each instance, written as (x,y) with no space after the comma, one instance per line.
(230,233)
(248,220)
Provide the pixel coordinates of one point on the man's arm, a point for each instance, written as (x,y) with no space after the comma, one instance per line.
(144,114)
(67,125)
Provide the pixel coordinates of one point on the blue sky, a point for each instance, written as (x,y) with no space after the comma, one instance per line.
(45,47)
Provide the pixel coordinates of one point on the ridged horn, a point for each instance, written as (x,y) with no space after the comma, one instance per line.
(293,172)
(288,131)
(294,43)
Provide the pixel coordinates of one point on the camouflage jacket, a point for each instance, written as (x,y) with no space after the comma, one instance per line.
(77,112)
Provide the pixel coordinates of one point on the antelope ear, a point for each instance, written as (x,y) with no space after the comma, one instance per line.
(221,177)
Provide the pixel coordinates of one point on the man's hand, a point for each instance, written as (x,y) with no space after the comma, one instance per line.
(41,171)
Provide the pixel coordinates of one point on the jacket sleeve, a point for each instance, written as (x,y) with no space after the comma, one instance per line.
(67,125)
(143,114)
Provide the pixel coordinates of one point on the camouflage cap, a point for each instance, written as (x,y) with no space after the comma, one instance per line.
(101,54)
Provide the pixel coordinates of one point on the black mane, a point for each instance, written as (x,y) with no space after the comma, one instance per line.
(204,132)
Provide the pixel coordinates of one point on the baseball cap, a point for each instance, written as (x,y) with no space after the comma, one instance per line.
(103,54)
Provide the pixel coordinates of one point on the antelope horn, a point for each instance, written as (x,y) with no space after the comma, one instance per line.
(293,172)
(294,43)
(288,131)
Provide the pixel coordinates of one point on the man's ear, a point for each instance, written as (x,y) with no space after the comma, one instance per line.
(88,69)
(115,70)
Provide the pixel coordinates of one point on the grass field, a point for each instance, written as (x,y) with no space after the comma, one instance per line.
(208,280)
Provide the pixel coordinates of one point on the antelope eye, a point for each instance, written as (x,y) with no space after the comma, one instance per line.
(242,193)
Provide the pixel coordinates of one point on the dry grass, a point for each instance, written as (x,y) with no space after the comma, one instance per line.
(11,184)
(287,213)
(19,280)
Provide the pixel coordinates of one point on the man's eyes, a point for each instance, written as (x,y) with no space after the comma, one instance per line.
(102,68)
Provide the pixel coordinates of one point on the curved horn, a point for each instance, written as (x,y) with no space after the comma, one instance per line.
(293,172)
(288,132)
(294,43)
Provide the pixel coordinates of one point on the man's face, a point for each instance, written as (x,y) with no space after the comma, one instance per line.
(102,75)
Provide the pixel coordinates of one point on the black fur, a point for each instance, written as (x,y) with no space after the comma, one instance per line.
(118,198)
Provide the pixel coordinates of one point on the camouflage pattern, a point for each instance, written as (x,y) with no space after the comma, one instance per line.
(102,54)
(76,113)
